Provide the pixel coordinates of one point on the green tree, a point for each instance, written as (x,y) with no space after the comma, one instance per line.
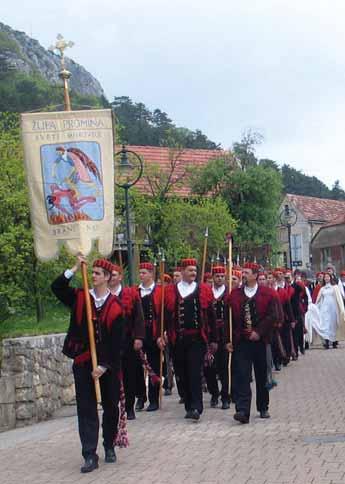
(337,192)
(245,149)
(296,182)
(140,126)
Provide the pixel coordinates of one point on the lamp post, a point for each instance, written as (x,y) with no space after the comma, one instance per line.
(128,171)
(288,218)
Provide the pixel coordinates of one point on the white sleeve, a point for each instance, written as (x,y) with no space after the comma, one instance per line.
(68,274)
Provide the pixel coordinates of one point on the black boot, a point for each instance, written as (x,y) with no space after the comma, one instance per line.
(91,463)
(110,455)
(335,344)
(130,414)
(326,344)
(214,402)
(140,404)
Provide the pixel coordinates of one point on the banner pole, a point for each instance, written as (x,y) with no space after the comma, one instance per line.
(204,256)
(229,237)
(162,269)
(65,75)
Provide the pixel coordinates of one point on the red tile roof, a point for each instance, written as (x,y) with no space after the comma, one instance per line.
(318,209)
(161,159)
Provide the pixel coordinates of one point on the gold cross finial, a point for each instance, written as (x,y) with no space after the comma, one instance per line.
(61,45)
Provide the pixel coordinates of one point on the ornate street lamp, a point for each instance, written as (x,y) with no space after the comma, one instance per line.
(128,171)
(288,218)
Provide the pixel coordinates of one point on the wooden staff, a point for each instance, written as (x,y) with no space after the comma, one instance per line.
(90,329)
(120,257)
(161,271)
(229,239)
(204,256)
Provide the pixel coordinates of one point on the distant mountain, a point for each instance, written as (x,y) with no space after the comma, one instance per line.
(21,53)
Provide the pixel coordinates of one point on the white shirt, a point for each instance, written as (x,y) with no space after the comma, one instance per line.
(146,291)
(281,284)
(117,290)
(186,288)
(218,291)
(250,291)
(99,301)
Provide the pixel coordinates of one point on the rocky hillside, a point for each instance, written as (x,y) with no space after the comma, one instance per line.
(21,53)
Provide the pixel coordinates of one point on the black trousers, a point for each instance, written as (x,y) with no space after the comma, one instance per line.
(286,339)
(88,421)
(220,368)
(188,362)
(153,357)
(246,355)
(132,375)
(298,335)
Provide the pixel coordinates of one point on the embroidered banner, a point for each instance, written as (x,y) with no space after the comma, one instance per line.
(69,160)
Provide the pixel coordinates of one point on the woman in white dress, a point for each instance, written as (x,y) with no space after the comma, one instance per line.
(332,313)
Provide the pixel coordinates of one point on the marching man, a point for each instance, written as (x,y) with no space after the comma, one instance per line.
(108,328)
(190,322)
(220,366)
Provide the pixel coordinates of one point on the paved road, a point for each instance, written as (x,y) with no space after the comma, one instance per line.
(303,442)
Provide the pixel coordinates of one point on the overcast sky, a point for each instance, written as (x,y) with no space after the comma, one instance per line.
(221,66)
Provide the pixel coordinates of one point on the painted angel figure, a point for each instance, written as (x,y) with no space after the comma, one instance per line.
(73,166)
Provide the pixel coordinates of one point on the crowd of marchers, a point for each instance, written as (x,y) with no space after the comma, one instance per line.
(201,336)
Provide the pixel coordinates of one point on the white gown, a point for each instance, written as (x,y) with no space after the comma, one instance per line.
(330,318)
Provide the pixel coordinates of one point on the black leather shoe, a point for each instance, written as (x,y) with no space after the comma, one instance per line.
(326,344)
(167,392)
(225,405)
(181,400)
(152,407)
(110,456)
(335,344)
(241,417)
(214,402)
(188,414)
(91,463)
(194,415)
(130,414)
(278,367)
(140,404)
(264,414)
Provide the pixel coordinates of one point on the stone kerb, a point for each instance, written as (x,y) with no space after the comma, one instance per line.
(40,376)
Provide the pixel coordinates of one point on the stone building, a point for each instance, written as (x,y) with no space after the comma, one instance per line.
(311,214)
(328,246)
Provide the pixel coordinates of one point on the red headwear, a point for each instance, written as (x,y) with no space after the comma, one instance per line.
(167,278)
(146,265)
(280,269)
(188,262)
(104,264)
(207,276)
(177,269)
(252,265)
(319,274)
(117,268)
(218,270)
(237,273)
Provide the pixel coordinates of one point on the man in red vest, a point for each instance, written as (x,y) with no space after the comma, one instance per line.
(190,323)
(108,327)
(254,315)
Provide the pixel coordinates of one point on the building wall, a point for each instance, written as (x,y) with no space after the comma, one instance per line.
(328,246)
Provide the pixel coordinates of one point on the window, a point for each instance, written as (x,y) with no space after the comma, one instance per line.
(296,247)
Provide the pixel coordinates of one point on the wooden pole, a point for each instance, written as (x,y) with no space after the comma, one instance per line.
(229,238)
(90,329)
(204,256)
(161,271)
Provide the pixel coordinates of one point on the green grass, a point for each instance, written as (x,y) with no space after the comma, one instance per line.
(55,320)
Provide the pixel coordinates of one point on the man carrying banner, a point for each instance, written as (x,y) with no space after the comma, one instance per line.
(108,328)
(133,337)
(190,322)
